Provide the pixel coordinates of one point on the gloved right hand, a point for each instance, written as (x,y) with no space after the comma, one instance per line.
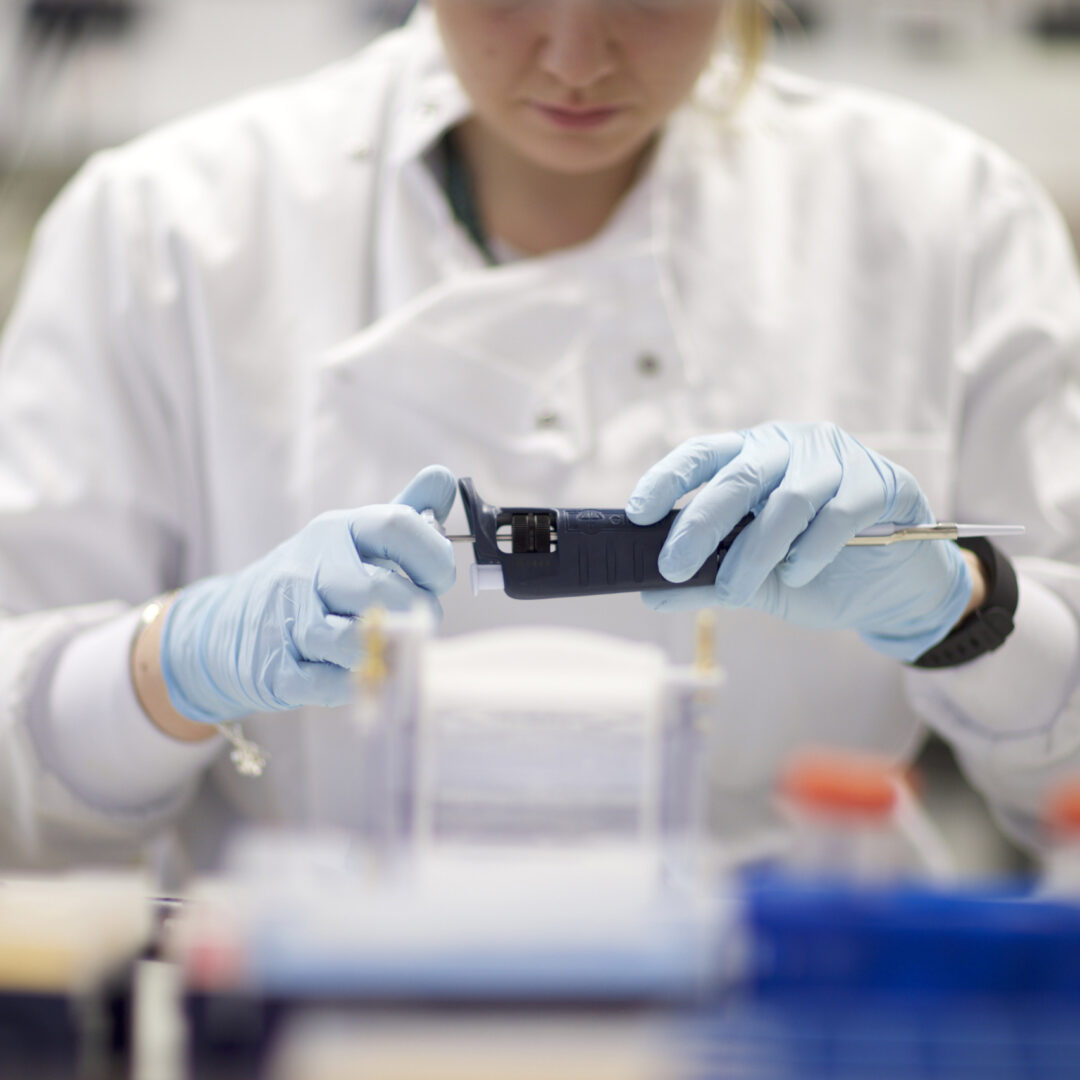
(281,633)
(812,487)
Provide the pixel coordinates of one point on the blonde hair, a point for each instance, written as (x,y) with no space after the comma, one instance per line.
(748,31)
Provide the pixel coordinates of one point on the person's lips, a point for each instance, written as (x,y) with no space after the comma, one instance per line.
(576,117)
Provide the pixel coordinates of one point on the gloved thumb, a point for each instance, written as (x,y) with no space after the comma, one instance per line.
(433,488)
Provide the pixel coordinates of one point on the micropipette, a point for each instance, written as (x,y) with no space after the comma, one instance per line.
(540,553)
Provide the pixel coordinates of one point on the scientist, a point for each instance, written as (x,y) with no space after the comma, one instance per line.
(583,251)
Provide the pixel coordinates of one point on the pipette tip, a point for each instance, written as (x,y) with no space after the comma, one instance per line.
(965,532)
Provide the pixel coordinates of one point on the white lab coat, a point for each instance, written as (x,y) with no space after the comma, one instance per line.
(267,311)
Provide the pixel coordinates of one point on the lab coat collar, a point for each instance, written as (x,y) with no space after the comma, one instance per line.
(424,100)
(432,100)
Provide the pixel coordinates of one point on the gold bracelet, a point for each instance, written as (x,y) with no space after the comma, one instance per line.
(151,610)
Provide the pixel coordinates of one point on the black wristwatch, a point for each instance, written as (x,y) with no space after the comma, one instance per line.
(990,623)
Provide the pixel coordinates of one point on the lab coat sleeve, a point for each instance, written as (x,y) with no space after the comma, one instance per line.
(97,511)
(1013,715)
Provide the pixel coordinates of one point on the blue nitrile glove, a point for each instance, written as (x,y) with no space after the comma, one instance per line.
(812,487)
(281,633)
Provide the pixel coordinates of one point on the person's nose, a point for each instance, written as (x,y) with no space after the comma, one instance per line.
(579,49)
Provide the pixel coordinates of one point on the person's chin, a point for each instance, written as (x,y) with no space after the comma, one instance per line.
(581,157)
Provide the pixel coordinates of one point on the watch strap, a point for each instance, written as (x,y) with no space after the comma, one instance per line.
(987,627)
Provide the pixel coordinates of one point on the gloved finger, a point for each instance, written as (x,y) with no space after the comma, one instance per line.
(399,534)
(350,591)
(858,503)
(738,487)
(806,488)
(433,488)
(670,600)
(309,682)
(337,639)
(688,466)
(331,639)
(395,592)
(906,503)
(821,544)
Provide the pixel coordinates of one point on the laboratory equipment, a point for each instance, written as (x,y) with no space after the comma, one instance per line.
(541,736)
(855,965)
(764,975)
(540,553)
(545,1047)
(529,849)
(68,945)
(854,815)
(526,829)
(535,553)
(1061,859)
(292,934)
(530,853)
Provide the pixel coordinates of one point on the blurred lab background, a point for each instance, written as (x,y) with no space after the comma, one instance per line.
(79,75)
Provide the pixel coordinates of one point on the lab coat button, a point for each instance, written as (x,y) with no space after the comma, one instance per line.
(548,420)
(648,364)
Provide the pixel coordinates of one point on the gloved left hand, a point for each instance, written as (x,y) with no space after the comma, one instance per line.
(812,487)
(280,633)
